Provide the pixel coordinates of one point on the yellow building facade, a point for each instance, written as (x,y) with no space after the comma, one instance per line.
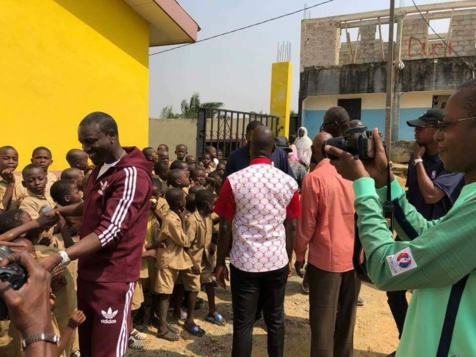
(62,59)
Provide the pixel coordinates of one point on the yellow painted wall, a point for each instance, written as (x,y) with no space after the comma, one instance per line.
(281,77)
(62,59)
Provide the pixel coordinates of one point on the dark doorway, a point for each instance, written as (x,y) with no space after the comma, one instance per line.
(353,107)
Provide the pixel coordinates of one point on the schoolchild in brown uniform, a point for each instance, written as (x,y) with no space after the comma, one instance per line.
(173,258)
(42,156)
(199,227)
(35,181)
(179,178)
(11,190)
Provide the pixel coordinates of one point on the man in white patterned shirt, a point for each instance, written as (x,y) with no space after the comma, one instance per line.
(262,203)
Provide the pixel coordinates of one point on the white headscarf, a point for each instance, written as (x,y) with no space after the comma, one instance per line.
(303,146)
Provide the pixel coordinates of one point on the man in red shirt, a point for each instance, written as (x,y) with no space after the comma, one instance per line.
(327,226)
(257,200)
(115,210)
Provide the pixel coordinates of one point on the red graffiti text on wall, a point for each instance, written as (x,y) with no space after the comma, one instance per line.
(417,47)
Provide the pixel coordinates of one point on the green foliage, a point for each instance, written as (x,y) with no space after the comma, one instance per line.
(190,109)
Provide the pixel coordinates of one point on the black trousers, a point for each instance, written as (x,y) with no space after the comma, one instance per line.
(332,310)
(246,289)
(397,300)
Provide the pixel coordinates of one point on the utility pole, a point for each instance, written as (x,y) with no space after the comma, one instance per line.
(390,81)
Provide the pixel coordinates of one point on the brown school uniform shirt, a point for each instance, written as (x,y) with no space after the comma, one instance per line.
(18,192)
(172,234)
(34,203)
(199,233)
(163,208)
(51,179)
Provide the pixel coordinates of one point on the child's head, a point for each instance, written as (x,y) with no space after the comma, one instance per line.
(175,198)
(29,247)
(156,188)
(215,181)
(161,169)
(205,201)
(78,159)
(162,147)
(73,174)
(34,179)
(65,192)
(212,151)
(198,176)
(8,158)
(190,160)
(150,154)
(178,164)
(42,156)
(163,156)
(195,189)
(220,169)
(12,219)
(178,178)
(206,160)
(190,202)
(181,151)
(219,154)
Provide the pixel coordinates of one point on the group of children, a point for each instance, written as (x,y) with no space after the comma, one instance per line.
(182,233)
(179,247)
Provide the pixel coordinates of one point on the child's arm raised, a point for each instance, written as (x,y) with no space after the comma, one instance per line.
(76,319)
(8,176)
(68,240)
(40,222)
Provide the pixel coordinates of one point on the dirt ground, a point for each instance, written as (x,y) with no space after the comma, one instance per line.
(375,332)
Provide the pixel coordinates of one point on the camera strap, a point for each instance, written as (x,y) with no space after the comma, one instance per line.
(359,259)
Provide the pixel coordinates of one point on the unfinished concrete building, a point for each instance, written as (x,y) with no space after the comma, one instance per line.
(337,69)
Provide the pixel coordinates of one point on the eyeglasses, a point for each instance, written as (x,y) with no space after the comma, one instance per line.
(443,125)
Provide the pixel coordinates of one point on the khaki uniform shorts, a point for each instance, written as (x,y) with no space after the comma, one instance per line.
(167,278)
(138,296)
(206,276)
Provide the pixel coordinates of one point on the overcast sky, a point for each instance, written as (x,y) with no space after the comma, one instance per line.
(236,69)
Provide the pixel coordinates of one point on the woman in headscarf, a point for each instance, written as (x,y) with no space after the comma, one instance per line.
(303,145)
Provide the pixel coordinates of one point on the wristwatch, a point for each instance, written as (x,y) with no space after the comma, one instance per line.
(47,337)
(416,161)
(64,259)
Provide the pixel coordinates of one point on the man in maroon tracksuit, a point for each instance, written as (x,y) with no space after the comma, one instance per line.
(112,235)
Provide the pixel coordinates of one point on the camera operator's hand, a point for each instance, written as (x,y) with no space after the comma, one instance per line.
(347,165)
(353,169)
(31,300)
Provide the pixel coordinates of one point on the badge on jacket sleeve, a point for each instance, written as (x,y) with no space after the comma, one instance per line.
(401,262)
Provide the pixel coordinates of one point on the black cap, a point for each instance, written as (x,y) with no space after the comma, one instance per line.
(282,142)
(430,117)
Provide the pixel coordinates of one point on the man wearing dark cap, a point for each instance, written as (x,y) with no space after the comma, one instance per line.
(432,190)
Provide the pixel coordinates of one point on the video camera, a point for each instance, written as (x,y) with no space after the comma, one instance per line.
(358,141)
(14,274)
